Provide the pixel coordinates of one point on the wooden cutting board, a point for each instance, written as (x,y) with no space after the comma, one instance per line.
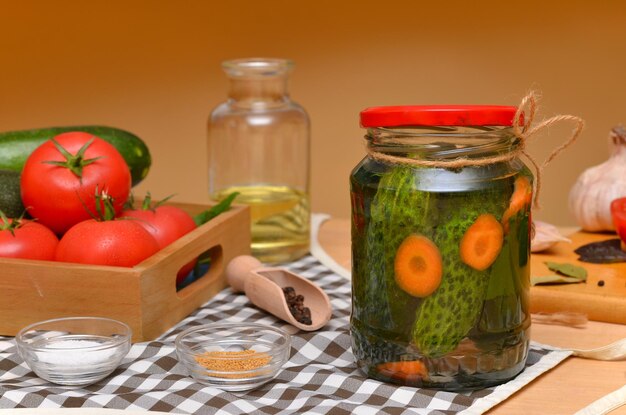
(601,298)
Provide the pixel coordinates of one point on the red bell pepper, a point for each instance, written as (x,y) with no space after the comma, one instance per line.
(618,213)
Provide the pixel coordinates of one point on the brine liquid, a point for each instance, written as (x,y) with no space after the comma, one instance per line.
(280,219)
(495,348)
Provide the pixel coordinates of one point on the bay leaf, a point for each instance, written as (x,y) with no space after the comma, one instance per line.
(569,270)
(554,279)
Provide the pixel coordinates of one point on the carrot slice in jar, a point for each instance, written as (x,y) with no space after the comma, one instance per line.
(404,371)
(418,266)
(521,197)
(482,242)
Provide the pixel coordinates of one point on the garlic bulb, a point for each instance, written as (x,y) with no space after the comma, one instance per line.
(590,197)
(545,236)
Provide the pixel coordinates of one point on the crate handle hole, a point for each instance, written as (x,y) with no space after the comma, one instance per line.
(207,264)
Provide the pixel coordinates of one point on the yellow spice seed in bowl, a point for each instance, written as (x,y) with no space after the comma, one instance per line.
(233,361)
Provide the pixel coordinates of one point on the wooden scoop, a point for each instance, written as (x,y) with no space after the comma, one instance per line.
(264,287)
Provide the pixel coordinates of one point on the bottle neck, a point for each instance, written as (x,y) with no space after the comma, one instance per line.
(258,82)
(258,91)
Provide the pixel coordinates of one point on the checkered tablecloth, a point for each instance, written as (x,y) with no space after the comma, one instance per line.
(320,377)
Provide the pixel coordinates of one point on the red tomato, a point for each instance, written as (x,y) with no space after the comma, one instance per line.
(29,240)
(618,213)
(57,196)
(122,243)
(166,223)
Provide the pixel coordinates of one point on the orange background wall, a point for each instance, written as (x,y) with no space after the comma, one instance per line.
(153,68)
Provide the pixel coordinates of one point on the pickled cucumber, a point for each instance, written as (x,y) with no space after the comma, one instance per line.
(446,317)
(397,210)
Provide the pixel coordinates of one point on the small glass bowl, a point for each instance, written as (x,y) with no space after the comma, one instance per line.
(75,351)
(233,356)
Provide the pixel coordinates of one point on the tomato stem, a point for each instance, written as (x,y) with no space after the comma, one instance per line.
(75,163)
(10,225)
(104,206)
(147,202)
(104,199)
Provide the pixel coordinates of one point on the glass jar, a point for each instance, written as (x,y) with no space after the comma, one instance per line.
(258,143)
(440,247)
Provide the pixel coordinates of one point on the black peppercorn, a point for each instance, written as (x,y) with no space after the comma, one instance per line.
(295,303)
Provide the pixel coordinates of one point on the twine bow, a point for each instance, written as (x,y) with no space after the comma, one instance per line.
(522,130)
(528,130)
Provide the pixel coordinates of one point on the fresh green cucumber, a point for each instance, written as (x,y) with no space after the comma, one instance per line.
(10,198)
(16,146)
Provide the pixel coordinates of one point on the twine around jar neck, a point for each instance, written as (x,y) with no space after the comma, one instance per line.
(522,129)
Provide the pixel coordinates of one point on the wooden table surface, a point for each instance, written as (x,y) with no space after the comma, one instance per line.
(569,387)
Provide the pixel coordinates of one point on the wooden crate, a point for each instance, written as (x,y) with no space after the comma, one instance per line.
(144,296)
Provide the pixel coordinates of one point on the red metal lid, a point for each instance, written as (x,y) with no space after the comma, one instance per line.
(424,115)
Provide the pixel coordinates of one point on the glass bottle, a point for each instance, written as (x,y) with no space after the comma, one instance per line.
(441,247)
(258,144)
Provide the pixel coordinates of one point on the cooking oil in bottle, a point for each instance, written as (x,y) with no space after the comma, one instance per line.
(280,220)
(258,145)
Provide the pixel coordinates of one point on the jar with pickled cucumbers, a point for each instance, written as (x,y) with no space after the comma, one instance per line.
(441,223)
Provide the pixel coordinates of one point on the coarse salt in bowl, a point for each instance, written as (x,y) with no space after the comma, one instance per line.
(233,356)
(75,351)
